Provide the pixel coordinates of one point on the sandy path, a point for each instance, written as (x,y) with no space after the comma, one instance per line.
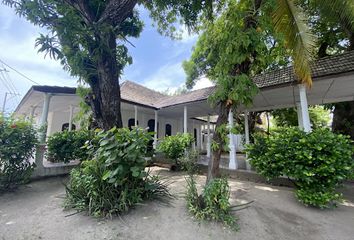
(35,212)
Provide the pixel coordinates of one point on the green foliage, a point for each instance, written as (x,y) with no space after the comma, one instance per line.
(343,118)
(68,145)
(174,147)
(115,179)
(17,145)
(84,116)
(318,162)
(191,13)
(217,53)
(189,162)
(319,117)
(78,36)
(213,204)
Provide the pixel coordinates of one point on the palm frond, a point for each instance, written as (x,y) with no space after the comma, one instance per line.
(289,19)
(343,10)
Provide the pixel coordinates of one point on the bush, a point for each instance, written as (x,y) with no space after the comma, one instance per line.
(317,162)
(213,203)
(17,145)
(174,147)
(189,161)
(115,179)
(67,145)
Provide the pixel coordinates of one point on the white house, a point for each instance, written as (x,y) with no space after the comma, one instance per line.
(333,81)
(56,107)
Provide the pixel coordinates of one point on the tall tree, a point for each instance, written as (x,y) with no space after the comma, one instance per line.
(233,47)
(88,38)
(334,27)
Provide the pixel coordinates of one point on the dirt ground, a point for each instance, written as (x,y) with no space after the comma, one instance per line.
(35,212)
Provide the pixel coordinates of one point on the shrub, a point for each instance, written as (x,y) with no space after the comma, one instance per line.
(17,145)
(189,161)
(317,162)
(213,203)
(174,147)
(68,145)
(115,179)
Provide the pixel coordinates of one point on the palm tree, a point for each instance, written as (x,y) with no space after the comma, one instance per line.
(289,19)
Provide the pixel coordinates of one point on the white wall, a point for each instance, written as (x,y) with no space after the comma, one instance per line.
(57,119)
(144,115)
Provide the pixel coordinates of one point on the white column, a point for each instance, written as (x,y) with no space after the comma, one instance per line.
(194,142)
(299,116)
(232,152)
(201,137)
(247,138)
(33,109)
(185,129)
(208,139)
(135,115)
(44,117)
(304,109)
(71,109)
(156,130)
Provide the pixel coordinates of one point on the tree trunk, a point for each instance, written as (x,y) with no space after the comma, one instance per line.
(250,21)
(105,98)
(343,115)
(343,119)
(322,50)
(213,167)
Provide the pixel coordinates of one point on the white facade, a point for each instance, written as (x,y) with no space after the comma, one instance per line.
(59,117)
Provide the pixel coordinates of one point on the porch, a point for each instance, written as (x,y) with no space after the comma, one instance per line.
(333,81)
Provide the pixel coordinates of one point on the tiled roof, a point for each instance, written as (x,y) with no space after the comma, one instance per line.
(192,96)
(137,93)
(323,67)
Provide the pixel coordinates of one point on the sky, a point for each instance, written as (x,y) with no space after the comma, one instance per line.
(157,60)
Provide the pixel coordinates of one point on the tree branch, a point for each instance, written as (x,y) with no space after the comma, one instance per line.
(117,11)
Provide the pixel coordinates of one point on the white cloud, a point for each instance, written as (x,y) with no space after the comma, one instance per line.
(187,37)
(203,82)
(17,50)
(170,76)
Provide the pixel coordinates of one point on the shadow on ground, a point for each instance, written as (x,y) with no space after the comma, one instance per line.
(35,212)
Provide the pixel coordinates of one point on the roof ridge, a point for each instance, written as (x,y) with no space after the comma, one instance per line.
(196,90)
(140,85)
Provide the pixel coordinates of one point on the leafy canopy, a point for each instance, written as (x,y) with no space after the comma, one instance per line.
(78,32)
(227,43)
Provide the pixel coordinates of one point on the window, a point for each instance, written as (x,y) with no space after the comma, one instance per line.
(65,126)
(168,130)
(195,136)
(131,123)
(151,125)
